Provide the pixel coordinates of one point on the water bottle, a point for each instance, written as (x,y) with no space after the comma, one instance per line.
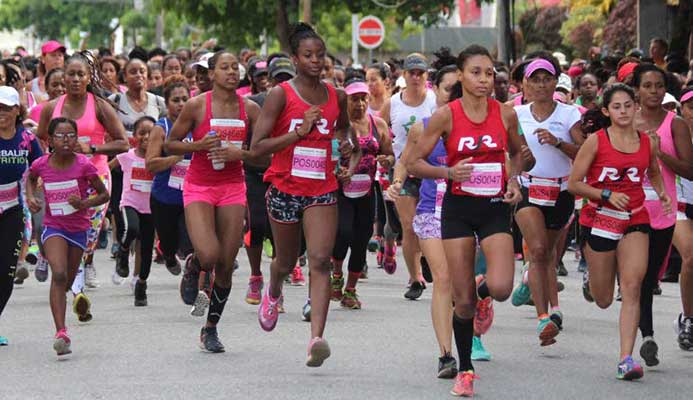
(217,165)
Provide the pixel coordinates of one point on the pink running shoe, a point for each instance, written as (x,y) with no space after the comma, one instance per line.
(61,344)
(268,312)
(254,293)
(390,262)
(318,352)
(297,278)
(464,384)
(483,317)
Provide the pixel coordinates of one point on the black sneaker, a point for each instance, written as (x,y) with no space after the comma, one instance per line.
(685,338)
(123,263)
(415,290)
(447,367)
(209,340)
(648,351)
(173,266)
(140,294)
(586,287)
(426,270)
(189,283)
(560,269)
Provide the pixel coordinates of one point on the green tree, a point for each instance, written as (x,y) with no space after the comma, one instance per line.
(583,28)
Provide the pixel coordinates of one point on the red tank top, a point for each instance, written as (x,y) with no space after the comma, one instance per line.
(89,130)
(486,142)
(232,133)
(305,168)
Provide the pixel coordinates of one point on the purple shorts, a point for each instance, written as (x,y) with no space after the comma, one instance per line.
(76,239)
(426,226)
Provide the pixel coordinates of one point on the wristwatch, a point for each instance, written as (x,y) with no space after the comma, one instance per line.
(606,194)
(92,149)
(559,141)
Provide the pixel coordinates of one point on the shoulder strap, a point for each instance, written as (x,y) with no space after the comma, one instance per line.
(374,128)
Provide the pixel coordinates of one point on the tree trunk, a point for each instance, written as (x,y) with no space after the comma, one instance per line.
(282,25)
(307,11)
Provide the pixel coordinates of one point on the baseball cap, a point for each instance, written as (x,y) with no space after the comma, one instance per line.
(565,83)
(562,60)
(203,61)
(669,98)
(281,65)
(51,46)
(356,86)
(538,64)
(415,61)
(257,67)
(9,96)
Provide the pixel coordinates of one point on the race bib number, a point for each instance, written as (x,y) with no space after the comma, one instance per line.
(441,187)
(309,162)
(230,131)
(359,186)
(140,179)
(58,194)
(486,180)
(544,192)
(650,193)
(9,196)
(610,224)
(177,176)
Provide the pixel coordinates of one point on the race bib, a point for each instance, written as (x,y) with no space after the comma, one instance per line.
(57,195)
(140,179)
(309,162)
(486,181)
(610,224)
(544,192)
(177,176)
(650,193)
(230,131)
(359,186)
(441,187)
(9,196)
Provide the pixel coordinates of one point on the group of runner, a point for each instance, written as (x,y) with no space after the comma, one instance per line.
(443,158)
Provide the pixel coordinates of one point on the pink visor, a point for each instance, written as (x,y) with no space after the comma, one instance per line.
(538,64)
(356,87)
(687,96)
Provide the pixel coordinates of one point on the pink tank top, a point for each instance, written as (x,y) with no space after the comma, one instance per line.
(89,130)
(659,220)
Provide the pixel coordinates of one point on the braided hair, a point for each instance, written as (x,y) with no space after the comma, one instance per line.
(11,74)
(95,85)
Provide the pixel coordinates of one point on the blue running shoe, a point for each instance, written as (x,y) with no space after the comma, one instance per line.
(521,294)
(629,370)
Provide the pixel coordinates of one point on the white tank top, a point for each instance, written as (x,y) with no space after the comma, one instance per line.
(684,189)
(550,161)
(402,117)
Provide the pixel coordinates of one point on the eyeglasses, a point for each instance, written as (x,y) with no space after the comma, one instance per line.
(63,136)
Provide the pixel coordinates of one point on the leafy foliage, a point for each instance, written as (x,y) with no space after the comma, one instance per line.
(620,32)
(582,28)
(541,27)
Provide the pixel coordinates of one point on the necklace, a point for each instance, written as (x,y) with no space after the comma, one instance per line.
(542,119)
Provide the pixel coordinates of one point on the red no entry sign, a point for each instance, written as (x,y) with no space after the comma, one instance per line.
(371,32)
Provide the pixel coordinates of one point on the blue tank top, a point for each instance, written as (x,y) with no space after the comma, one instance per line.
(432,190)
(161,189)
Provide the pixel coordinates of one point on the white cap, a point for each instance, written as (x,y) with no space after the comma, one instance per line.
(669,98)
(564,82)
(9,96)
(561,58)
(203,61)
(401,83)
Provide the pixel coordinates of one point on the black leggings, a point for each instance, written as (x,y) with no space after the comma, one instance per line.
(11,231)
(257,220)
(379,204)
(137,226)
(660,243)
(354,230)
(169,221)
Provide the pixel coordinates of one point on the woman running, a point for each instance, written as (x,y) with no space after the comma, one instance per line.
(299,120)
(20,148)
(477,131)
(674,151)
(682,240)
(609,171)
(401,112)
(378,79)
(100,134)
(67,177)
(355,203)
(552,131)
(214,192)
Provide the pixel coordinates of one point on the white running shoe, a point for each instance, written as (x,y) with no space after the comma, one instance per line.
(90,276)
(116,279)
(200,306)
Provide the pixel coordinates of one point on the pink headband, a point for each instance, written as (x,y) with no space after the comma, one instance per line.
(687,96)
(538,64)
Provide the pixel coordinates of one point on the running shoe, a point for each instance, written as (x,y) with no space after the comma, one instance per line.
(254,293)
(297,278)
(561,270)
(586,287)
(41,271)
(479,352)
(447,367)
(200,304)
(648,351)
(32,255)
(464,384)
(521,294)
(268,248)
(629,370)
(173,266)
(582,265)
(557,318)
(115,248)
(318,352)
(116,279)
(81,306)
(483,316)
(122,266)
(389,259)
(61,343)
(209,340)
(20,274)
(374,244)
(305,311)
(267,313)
(657,291)
(685,332)
(337,285)
(3,341)
(189,284)
(140,294)
(90,280)
(103,239)
(364,272)
(350,300)
(415,290)
(426,270)
(547,331)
